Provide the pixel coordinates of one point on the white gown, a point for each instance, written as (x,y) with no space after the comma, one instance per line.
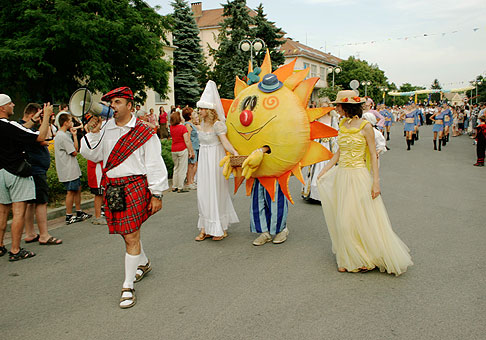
(216,210)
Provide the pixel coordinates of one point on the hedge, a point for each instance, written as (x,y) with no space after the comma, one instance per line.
(57,190)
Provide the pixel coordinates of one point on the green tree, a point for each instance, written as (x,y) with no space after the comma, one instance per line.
(50,48)
(360,70)
(271,35)
(230,61)
(188,57)
(435,97)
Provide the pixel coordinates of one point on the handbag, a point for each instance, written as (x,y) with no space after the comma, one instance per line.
(24,169)
(115,197)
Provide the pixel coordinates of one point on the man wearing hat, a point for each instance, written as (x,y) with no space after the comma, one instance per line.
(16,183)
(134,177)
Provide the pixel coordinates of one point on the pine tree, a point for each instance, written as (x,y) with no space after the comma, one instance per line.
(271,35)
(230,61)
(188,57)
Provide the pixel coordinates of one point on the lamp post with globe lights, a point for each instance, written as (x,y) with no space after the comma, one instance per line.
(476,83)
(250,45)
(366,83)
(333,70)
(384,90)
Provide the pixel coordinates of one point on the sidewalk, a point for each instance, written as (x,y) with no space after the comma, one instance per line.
(55,218)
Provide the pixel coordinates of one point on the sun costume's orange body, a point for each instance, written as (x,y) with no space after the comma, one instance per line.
(280,120)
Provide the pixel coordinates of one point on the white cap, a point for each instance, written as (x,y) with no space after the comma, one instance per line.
(210,100)
(4,99)
(370,117)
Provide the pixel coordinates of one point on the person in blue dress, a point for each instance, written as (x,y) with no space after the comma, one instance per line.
(388,120)
(438,128)
(409,117)
(448,120)
(420,119)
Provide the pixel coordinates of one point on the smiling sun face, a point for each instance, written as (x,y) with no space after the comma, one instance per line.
(278,118)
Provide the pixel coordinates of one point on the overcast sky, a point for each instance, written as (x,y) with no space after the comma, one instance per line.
(388,33)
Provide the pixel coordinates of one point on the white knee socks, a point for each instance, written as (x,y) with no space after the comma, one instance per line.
(131,264)
(143,258)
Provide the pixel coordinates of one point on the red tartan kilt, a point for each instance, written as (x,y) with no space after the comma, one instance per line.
(138,199)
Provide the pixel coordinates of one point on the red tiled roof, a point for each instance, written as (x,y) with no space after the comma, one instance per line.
(213,17)
(293,48)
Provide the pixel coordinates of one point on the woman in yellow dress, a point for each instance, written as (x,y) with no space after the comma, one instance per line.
(361,233)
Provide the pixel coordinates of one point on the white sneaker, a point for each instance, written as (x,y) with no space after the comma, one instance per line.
(281,237)
(262,239)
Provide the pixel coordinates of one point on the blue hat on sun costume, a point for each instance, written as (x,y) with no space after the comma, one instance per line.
(270,83)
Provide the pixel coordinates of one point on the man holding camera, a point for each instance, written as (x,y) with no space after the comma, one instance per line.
(16,184)
(134,177)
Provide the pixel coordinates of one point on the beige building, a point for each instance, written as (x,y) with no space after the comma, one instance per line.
(319,62)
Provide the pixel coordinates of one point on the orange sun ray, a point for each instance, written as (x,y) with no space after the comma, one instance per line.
(319,130)
(295,79)
(318,112)
(296,171)
(304,90)
(285,71)
(266,66)
(315,154)
(269,184)
(240,85)
(249,185)
(283,181)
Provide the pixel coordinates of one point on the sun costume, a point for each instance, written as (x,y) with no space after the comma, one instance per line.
(269,122)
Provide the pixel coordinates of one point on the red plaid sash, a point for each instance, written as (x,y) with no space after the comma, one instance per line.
(127,144)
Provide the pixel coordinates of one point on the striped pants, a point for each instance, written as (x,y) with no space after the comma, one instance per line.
(267,215)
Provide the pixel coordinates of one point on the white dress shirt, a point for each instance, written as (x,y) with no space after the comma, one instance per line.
(146,160)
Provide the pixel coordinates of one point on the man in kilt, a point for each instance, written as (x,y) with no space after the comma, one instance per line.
(134,177)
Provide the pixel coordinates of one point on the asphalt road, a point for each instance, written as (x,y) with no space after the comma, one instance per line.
(233,290)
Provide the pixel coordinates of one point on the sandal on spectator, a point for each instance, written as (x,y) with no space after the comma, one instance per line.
(144,269)
(36,238)
(52,241)
(3,251)
(21,255)
(132,298)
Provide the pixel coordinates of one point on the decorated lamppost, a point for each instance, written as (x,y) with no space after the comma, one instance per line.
(250,45)
(384,90)
(333,70)
(366,83)
(476,83)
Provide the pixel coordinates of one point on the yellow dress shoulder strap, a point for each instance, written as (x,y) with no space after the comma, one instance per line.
(363,123)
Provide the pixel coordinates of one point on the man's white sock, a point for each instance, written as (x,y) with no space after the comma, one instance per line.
(131,264)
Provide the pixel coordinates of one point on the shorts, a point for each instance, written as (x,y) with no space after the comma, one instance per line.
(15,189)
(96,191)
(409,127)
(194,160)
(73,185)
(41,189)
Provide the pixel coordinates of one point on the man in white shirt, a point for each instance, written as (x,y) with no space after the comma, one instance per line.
(131,155)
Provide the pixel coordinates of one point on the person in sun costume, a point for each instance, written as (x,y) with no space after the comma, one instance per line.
(269,123)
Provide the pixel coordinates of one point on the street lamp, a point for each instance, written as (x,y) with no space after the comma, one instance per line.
(385,90)
(250,45)
(333,70)
(366,83)
(476,83)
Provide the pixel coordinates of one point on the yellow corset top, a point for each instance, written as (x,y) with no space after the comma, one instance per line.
(352,146)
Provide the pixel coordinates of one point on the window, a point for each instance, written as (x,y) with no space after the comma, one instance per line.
(159,99)
(322,73)
(306,65)
(313,72)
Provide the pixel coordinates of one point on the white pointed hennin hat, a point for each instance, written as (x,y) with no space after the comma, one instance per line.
(210,100)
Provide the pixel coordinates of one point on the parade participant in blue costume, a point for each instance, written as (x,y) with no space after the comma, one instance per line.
(438,128)
(409,127)
(388,120)
(448,120)
(420,121)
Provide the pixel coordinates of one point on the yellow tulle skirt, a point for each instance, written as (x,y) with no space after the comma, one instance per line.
(359,226)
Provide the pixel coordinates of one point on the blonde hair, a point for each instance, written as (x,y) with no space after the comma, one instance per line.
(212,115)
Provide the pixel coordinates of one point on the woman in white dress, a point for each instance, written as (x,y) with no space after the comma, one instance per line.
(216,210)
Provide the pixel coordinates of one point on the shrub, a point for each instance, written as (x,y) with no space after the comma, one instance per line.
(167,155)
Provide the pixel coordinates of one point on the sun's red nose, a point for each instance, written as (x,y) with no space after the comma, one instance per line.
(246,117)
